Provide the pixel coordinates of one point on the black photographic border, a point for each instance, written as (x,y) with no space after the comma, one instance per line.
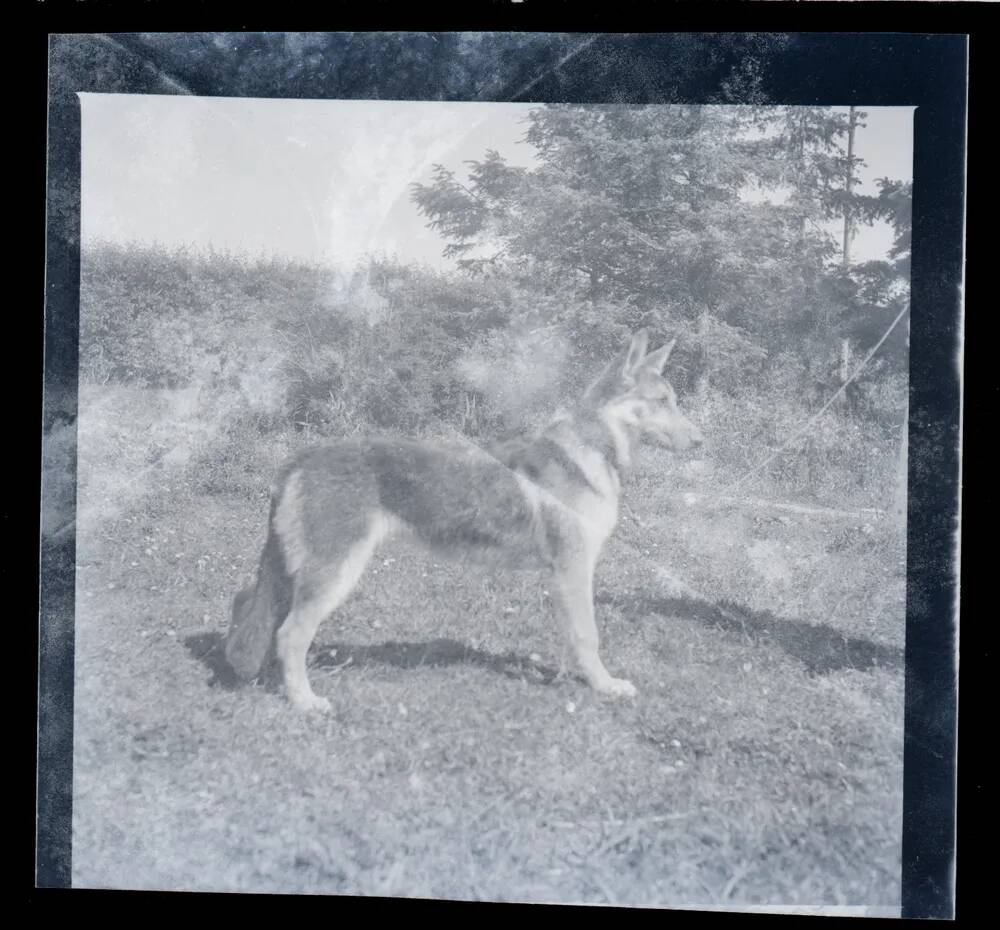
(928,71)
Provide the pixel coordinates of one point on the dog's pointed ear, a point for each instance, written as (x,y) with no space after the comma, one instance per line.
(619,374)
(636,352)
(657,361)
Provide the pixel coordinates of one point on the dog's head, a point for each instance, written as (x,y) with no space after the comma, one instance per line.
(632,388)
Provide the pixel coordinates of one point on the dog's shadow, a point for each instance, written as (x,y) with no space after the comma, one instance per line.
(819,647)
(207,648)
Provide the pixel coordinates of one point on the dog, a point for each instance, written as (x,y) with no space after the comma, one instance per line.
(548,502)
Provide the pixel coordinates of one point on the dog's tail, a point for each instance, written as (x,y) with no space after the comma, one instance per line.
(257,611)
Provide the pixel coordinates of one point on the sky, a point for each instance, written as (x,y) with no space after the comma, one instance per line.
(326,181)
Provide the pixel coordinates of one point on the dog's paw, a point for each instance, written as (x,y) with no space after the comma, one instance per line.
(312,704)
(618,687)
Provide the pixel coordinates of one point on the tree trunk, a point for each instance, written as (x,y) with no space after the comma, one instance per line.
(845,360)
(848,187)
(844,369)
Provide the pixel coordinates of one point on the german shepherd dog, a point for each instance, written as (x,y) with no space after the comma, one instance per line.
(549,502)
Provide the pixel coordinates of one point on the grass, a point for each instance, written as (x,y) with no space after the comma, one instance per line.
(760,764)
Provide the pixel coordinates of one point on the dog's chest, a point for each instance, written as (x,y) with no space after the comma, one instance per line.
(598,516)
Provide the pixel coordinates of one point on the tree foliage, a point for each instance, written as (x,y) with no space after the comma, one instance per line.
(714,220)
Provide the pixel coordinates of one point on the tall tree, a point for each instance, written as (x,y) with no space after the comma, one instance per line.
(852,124)
(648,213)
(627,203)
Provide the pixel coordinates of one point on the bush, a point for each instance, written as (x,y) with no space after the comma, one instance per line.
(242,457)
(167,318)
(383,355)
(274,347)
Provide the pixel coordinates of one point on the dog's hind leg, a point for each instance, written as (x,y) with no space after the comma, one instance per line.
(574,586)
(319,590)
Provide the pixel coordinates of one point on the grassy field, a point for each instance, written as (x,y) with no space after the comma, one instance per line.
(760,764)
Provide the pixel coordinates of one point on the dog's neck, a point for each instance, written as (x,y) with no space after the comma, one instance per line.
(613,440)
(620,451)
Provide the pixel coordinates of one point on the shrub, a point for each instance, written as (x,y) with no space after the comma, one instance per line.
(241,457)
(274,346)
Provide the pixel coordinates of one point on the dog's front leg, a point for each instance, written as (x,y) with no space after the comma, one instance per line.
(574,588)
(293,641)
